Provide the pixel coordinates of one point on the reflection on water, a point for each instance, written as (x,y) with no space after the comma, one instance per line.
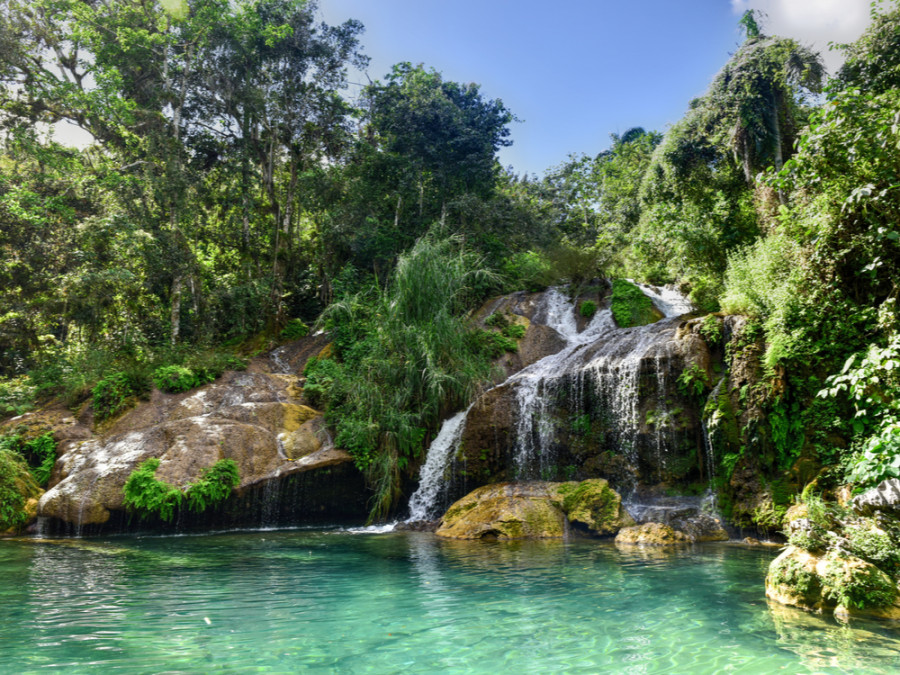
(327,601)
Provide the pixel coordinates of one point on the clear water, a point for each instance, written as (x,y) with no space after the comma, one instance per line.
(338,601)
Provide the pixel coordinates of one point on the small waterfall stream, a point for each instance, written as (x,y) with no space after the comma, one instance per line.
(602,362)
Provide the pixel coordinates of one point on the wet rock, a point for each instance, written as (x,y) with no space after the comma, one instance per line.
(593,506)
(418,526)
(505,511)
(651,534)
(885,497)
(535,510)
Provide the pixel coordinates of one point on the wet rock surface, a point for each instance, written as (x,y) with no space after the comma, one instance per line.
(652,534)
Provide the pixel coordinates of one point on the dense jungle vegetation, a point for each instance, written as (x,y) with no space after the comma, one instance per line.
(233,196)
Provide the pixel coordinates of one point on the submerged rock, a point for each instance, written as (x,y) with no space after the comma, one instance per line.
(535,510)
(652,534)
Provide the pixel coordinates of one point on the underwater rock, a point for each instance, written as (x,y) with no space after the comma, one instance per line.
(535,510)
(652,534)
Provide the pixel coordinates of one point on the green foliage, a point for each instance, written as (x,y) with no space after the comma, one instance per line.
(530,270)
(39,454)
(294,330)
(214,485)
(406,355)
(496,320)
(16,396)
(16,486)
(175,379)
(875,546)
(588,308)
(149,497)
(791,573)
(515,331)
(855,587)
(111,394)
(494,345)
(693,381)
(711,330)
(630,307)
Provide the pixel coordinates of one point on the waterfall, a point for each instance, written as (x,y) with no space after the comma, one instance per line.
(602,363)
(425,499)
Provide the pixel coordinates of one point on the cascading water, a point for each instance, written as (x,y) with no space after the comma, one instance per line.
(600,367)
(423,503)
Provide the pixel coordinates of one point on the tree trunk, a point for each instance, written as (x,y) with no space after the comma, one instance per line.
(176,308)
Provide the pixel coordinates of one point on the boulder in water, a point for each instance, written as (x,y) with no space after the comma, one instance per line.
(652,534)
(535,510)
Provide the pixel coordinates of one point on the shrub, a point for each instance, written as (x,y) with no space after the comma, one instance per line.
(110,395)
(208,366)
(148,496)
(294,330)
(515,331)
(175,379)
(711,330)
(630,307)
(16,396)
(588,309)
(529,270)
(215,484)
(496,320)
(495,345)
(855,586)
(17,485)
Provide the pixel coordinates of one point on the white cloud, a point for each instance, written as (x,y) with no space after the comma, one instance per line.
(813,22)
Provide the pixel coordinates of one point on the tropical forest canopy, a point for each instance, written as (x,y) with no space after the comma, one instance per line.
(233,196)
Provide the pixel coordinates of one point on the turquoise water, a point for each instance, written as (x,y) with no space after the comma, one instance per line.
(335,601)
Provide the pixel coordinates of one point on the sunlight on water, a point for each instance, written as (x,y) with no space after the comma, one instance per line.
(334,601)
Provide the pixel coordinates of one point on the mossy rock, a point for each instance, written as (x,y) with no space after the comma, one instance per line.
(652,534)
(593,505)
(630,307)
(504,511)
(535,510)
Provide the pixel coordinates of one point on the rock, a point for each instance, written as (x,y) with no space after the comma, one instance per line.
(834,581)
(751,541)
(885,497)
(652,534)
(593,506)
(505,511)
(535,510)
(246,417)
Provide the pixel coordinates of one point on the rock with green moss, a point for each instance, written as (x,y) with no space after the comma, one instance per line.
(505,511)
(593,505)
(835,581)
(535,510)
(630,307)
(652,534)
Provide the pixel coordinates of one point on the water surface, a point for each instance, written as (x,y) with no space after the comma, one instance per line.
(338,601)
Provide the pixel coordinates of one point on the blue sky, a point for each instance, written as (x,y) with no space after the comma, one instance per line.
(577,70)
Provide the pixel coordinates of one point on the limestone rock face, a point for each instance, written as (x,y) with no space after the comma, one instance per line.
(254,418)
(884,497)
(535,510)
(652,534)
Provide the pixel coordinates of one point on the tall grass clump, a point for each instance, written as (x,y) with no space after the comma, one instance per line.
(404,355)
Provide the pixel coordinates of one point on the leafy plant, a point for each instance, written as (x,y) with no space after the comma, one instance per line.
(110,395)
(630,307)
(150,497)
(294,330)
(588,308)
(175,379)
(711,329)
(515,331)
(497,320)
(693,381)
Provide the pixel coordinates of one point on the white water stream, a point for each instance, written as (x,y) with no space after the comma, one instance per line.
(602,356)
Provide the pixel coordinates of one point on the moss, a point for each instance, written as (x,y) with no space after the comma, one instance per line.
(588,308)
(792,575)
(17,486)
(853,583)
(591,503)
(630,307)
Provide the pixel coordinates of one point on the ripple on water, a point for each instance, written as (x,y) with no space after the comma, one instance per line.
(333,601)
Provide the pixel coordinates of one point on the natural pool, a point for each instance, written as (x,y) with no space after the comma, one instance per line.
(348,602)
